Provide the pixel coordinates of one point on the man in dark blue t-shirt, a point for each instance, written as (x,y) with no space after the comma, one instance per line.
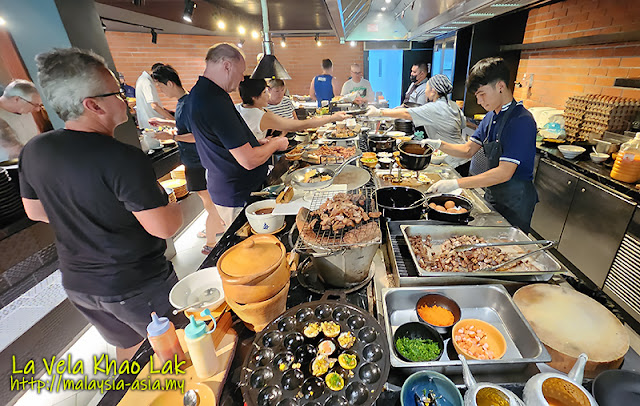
(507,137)
(236,162)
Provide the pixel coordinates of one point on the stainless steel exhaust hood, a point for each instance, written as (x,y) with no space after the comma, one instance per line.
(413,20)
(269,67)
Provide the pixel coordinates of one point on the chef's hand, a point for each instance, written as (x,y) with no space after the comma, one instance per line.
(435,144)
(373,111)
(360,100)
(162,135)
(444,186)
(339,116)
(157,121)
(281,142)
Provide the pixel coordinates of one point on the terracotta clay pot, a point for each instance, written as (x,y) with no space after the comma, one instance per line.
(256,316)
(254,270)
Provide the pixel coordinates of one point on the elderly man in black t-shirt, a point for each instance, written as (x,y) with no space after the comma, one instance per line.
(109,214)
(235,160)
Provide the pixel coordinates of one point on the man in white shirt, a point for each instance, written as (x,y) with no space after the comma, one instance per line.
(359,84)
(19,100)
(147,101)
(416,92)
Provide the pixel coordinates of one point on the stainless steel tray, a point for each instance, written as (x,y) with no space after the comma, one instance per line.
(536,264)
(490,303)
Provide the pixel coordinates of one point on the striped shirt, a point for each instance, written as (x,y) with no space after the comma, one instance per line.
(283,109)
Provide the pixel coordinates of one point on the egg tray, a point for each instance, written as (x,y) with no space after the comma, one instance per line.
(264,384)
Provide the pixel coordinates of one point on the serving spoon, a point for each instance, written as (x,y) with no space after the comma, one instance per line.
(209,295)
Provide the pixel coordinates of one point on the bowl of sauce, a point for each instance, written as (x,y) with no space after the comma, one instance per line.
(261,217)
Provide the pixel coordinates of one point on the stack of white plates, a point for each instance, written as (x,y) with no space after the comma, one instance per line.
(10,202)
(570,151)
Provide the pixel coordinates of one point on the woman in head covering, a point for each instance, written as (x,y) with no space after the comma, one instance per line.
(441,118)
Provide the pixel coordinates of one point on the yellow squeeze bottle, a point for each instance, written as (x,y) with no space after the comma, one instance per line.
(627,165)
(200,345)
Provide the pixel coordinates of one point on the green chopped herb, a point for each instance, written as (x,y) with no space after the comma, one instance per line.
(417,349)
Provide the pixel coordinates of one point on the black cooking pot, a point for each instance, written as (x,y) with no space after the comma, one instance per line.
(381,143)
(401,124)
(440,200)
(400,203)
(414,156)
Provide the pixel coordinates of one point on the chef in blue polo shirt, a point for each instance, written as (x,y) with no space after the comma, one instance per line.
(505,143)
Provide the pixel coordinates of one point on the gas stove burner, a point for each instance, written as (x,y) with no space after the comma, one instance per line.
(310,279)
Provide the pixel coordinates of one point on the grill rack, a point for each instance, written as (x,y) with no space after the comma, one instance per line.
(333,242)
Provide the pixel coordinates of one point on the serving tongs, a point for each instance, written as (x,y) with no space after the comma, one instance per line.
(547,245)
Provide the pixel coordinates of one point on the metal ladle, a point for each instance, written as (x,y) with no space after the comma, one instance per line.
(191,398)
(208,297)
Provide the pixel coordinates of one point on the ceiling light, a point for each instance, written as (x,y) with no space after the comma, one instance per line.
(2,21)
(506,5)
(387,1)
(383,9)
(189,6)
(254,34)
(221,25)
(240,43)
(481,15)
(318,42)
(241,30)
(104,27)
(283,42)
(154,36)
(353,43)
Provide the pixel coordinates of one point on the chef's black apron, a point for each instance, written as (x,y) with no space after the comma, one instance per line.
(515,199)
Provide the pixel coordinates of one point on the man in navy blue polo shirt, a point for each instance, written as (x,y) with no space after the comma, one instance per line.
(235,160)
(505,142)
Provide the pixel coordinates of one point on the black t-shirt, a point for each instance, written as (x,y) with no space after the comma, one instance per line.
(218,127)
(188,152)
(89,185)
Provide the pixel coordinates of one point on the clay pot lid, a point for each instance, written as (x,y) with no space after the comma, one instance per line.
(255,255)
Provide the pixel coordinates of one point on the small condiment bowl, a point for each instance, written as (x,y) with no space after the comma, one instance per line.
(598,157)
(435,299)
(418,330)
(495,339)
(430,380)
(370,162)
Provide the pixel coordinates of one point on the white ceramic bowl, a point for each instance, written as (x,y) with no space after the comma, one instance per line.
(437,159)
(190,290)
(570,151)
(598,158)
(264,223)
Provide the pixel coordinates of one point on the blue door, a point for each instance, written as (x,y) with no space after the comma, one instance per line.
(385,74)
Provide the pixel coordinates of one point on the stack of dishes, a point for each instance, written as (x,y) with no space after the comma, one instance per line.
(178,173)
(179,186)
(403,125)
(10,202)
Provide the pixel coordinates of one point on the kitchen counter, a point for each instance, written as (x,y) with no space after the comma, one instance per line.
(596,172)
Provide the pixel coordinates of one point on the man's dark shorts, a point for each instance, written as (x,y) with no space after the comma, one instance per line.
(196,178)
(122,320)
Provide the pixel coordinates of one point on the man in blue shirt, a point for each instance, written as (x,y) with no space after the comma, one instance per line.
(507,137)
(236,162)
(324,87)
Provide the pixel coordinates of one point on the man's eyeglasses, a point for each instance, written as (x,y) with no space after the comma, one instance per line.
(121,95)
(39,106)
(356,73)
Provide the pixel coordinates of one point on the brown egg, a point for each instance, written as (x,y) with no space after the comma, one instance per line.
(449,204)
(433,205)
(452,210)
(462,210)
(440,208)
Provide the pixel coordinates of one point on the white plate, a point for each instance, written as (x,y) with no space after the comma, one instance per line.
(189,290)
(396,133)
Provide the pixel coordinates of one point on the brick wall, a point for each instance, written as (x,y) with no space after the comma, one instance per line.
(562,72)
(134,52)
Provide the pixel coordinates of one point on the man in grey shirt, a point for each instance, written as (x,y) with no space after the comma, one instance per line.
(358,84)
(441,117)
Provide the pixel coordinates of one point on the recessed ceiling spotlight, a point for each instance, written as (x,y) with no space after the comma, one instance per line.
(387,1)
(383,9)
(353,43)
(2,21)
(254,34)
(242,30)
(222,25)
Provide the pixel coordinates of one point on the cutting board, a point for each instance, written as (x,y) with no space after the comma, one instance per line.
(569,323)
(209,389)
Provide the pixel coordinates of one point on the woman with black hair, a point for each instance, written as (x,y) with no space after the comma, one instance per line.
(255,98)
(507,137)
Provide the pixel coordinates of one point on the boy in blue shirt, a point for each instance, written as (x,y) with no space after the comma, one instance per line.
(505,143)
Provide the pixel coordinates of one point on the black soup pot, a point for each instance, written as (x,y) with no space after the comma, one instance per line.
(414,156)
(460,218)
(381,143)
(400,203)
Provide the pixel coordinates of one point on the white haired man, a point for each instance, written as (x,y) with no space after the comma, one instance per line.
(235,160)
(19,100)
(109,214)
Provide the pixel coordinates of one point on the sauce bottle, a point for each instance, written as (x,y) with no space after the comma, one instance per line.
(163,339)
(627,165)
(201,348)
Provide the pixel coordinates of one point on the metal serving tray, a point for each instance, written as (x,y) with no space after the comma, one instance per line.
(490,303)
(539,264)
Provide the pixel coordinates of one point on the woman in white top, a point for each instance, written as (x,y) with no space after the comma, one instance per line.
(255,98)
